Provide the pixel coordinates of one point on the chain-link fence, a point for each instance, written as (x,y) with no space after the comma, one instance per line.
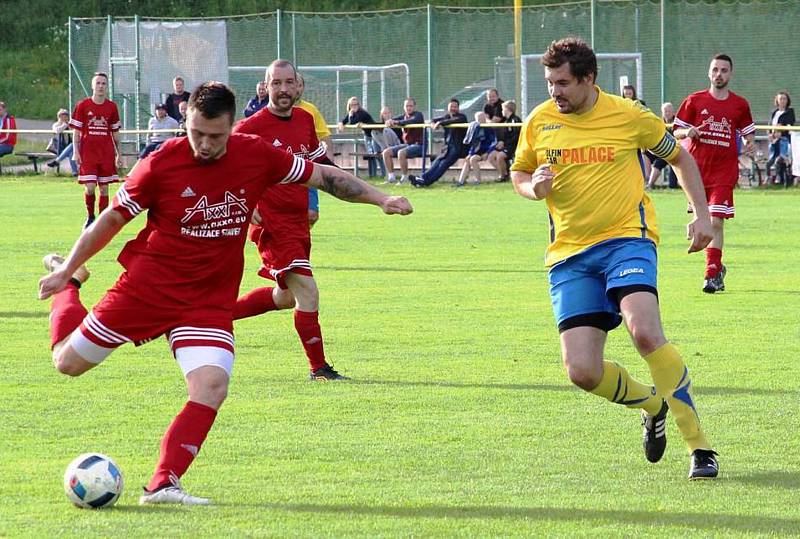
(449,51)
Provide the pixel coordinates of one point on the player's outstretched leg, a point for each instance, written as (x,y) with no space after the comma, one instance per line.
(255,302)
(66,310)
(671,378)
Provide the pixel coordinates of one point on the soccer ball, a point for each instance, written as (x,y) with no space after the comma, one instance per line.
(93,481)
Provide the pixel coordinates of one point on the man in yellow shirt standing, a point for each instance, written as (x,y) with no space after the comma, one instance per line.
(579,152)
(323,135)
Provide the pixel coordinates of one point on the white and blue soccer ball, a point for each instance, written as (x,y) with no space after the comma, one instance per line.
(93,481)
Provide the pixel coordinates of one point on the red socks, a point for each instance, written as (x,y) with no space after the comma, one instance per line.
(255,302)
(181,443)
(307,326)
(713,262)
(103,204)
(89,200)
(66,314)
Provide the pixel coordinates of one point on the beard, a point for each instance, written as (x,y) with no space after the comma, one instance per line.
(720,84)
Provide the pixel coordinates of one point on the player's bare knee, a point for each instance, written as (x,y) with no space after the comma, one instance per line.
(647,340)
(584,377)
(66,365)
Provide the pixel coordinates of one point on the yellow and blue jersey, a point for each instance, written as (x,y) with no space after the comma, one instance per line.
(598,190)
(320,126)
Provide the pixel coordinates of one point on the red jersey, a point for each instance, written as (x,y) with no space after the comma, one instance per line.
(284,208)
(96,125)
(190,253)
(718,120)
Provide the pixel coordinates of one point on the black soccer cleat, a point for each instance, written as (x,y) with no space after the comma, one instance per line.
(716,283)
(416,181)
(704,464)
(326,374)
(654,432)
(89,221)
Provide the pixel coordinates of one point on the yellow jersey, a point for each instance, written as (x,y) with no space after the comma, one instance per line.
(598,189)
(320,125)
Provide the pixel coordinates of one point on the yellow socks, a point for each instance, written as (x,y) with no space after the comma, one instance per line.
(619,387)
(671,378)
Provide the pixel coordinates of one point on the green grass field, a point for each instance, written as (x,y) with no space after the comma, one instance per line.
(459,421)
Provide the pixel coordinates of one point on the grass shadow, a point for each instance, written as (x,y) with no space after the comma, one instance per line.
(774,478)
(703,521)
(24,314)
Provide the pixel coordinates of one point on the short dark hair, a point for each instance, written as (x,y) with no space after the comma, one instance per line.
(212,99)
(724,57)
(454,100)
(573,50)
(100,74)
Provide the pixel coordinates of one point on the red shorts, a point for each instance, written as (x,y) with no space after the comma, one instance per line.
(720,201)
(98,172)
(119,318)
(280,255)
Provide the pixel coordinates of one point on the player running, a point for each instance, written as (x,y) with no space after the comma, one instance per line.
(710,119)
(580,153)
(283,237)
(183,270)
(96,147)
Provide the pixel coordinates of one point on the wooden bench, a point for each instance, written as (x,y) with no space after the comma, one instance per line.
(35,156)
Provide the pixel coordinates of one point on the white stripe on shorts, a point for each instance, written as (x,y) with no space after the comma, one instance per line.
(193,357)
(91,352)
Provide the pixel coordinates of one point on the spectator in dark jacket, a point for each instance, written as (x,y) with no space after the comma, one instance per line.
(356,115)
(259,101)
(175,99)
(454,145)
(503,152)
(779,147)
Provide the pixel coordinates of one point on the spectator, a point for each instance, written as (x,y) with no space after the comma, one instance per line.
(629,92)
(412,145)
(259,101)
(480,141)
(356,115)
(668,116)
(158,122)
(388,136)
(175,99)
(454,145)
(502,154)
(494,110)
(7,140)
(779,141)
(182,123)
(61,143)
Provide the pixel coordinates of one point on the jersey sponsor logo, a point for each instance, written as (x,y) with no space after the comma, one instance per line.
(188,193)
(551,127)
(219,210)
(277,143)
(579,156)
(704,111)
(628,271)
(303,153)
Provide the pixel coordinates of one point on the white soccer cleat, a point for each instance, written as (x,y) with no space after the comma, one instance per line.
(54,260)
(173,494)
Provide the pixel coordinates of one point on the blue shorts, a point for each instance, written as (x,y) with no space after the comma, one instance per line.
(313,199)
(586,288)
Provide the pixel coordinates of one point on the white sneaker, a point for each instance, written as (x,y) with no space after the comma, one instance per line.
(171,494)
(54,260)
(390,179)
(402,179)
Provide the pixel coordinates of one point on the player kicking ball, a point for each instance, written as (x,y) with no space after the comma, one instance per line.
(580,153)
(183,270)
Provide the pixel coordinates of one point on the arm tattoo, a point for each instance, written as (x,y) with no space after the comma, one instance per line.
(341,187)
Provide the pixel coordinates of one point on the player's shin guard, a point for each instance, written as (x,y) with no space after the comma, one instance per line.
(89,201)
(255,302)
(619,387)
(102,203)
(713,261)
(182,442)
(66,313)
(310,333)
(671,378)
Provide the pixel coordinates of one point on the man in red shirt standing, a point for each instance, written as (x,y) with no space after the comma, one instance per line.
(96,146)
(283,236)
(710,120)
(183,270)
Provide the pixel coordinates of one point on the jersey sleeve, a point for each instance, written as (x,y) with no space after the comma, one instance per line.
(77,119)
(283,167)
(136,194)
(685,117)
(115,122)
(525,157)
(746,124)
(654,136)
